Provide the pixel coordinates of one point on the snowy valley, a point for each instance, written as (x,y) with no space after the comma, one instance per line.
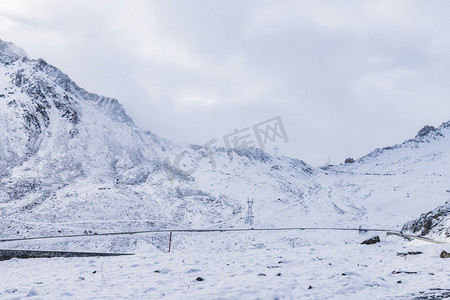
(74,163)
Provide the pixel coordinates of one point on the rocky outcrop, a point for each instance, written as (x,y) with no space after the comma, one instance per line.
(435,222)
(371,241)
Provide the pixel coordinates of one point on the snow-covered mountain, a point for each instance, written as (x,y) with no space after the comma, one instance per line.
(72,161)
(69,156)
(408,179)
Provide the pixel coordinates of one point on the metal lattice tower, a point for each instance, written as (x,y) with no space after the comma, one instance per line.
(249,218)
(275,151)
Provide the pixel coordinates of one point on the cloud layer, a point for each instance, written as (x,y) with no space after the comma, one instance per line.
(345,76)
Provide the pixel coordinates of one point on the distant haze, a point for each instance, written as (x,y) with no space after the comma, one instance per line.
(346,77)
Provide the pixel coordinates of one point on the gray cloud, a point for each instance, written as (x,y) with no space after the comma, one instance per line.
(346,76)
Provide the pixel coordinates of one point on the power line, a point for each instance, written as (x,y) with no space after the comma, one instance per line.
(197,231)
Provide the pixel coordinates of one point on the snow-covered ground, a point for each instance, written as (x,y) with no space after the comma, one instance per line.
(334,268)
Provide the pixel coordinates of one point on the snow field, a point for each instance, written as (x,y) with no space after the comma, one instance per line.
(337,270)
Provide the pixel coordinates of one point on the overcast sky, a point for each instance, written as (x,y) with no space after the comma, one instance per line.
(346,77)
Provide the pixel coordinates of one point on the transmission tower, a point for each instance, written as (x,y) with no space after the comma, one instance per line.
(275,151)
(249,218)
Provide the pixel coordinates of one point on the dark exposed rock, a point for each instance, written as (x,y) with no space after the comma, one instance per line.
(426,131)
(408,253)
(403,272)
(445,254)
(371,241)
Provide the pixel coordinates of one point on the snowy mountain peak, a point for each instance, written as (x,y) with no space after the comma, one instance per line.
(10,52)
(51,121)
(430,132)
(427,136)
(426,130)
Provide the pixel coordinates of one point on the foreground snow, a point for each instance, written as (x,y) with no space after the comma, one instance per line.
(332,270)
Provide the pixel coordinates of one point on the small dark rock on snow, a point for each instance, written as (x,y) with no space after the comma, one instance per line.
(199,279)
(408,253)
(445,254)
(371,241)
(403,272)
